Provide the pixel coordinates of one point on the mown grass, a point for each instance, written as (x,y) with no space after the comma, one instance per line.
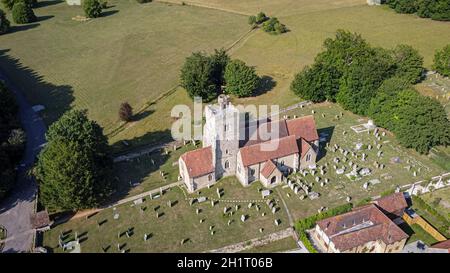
(285,244)
(133,53)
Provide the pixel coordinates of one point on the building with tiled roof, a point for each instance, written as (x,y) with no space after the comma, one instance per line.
(263,151)
(363,230)
(393,205)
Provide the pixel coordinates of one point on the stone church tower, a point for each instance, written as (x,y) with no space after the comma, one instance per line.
(221,132)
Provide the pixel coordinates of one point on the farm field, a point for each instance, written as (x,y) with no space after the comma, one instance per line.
(175,223)
(133,53)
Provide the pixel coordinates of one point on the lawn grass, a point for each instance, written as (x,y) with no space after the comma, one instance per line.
(133,53)
(416,233)
(177,223)
(439,200)
(285,244)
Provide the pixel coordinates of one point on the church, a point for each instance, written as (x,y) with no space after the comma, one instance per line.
(233,149)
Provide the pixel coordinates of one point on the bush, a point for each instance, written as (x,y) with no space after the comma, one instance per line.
(125,112)
(22,13)
(252,20)
(241,80)
(261,18)
(4,22)
(442,61)
(274,26)
(92,8)
(9,3)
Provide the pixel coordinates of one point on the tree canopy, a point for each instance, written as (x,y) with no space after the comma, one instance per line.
(92,8)
(4,22)
(442,61)
(409,63)
(241,80)
(58,172)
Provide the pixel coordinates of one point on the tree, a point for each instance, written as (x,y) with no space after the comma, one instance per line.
(22,13)
(75,162)
(403,6)
(4,23)
(313,82)
(426,8)
(197,77)
(261,18)
(125,112)
(219,61)
(409,63)
(361,80)
(252,20)
(441,11)
(92,8)
(442,61)
(9,3)
(7,174)
(241,80)
(8,105)
(274,26)
(383,106)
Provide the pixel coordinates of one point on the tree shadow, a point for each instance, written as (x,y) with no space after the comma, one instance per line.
(44,18)
(149,160)
(29,87)
(18,28)
(325,135)
(42,4)
(266,83)
(108,13)
(142,115)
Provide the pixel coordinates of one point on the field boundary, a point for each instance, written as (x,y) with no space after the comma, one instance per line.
(187,3)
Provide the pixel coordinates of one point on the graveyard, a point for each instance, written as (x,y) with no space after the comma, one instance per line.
(354,163)
(175,222)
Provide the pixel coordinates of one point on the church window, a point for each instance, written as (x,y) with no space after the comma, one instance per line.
(209,177)
(252,172)
(227,164)
(308,157)
(273,180)
(282,163)
(225,128)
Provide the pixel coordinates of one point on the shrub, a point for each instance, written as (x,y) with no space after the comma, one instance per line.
(9,3)
(252,20)
(4,22)
(261,18)
(125,112)
(442,61)
(22,13)
(92,8)
(274,26)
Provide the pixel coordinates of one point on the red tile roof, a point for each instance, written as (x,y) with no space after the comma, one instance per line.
(272,149)
(392,203)
(199,162)
(357,227)
(254,131)
(303,127)
(268,169)
(305,147)
(442,245)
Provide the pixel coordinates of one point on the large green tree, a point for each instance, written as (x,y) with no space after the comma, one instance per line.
(22,13)
(241,80)
(197,76)
(409,63)
(360,82)
(4,22)
(219,61)
(442,61)
(74,131)
(92,8)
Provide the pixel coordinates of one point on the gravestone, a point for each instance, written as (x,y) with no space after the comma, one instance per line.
(243,218)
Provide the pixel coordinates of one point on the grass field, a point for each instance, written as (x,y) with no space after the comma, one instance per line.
(416,233)
(175,223)
(133,53)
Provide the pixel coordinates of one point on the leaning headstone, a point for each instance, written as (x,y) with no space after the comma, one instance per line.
(243,218)
(277,222)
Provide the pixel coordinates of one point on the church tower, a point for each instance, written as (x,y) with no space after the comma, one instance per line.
(221,132)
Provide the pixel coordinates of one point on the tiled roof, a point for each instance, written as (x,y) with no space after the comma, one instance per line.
(268,150)
(305,147)
(392,203)
(442,245)
(303,127)
(268,169)
(254,131)
(360,226)
(199,162)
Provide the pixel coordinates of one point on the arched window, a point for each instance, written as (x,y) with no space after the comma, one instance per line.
(209,177)
(252,172)
(308,157)
(226,151)
(227,164)
(273,180)
(225,128)
(282,162)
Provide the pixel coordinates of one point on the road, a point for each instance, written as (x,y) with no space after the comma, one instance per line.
(16,209)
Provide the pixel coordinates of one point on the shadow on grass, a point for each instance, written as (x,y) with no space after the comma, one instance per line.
(142,115)
(44,18)
(326,133)
(266,84)
(109,13)
(14,29)
(42,4)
